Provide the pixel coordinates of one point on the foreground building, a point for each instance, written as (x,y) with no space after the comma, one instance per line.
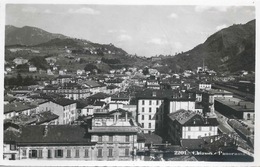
(185,124)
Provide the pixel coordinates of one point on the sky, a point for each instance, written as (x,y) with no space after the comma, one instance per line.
(145,30)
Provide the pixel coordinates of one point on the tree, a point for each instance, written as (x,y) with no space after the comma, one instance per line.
(146,71)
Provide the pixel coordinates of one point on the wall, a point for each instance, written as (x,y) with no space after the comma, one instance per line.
(153,114)
(177,105)
(194,132)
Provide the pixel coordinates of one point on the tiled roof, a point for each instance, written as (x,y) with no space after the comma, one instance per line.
(190,118)
(46,116)
(152,138)
(17,107)
(23,120)
(72,134)
(11,135)
(63,101)
(99,95)
(92,83)
(9,98)
(237,104)
(112,87)
(114,129)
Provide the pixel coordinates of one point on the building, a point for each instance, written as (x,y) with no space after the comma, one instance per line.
(32,68)
(64,108)
(235,108)
(94,87)
(115,134)
(185,124)
(20,61)
(47,142)
(103,97)
(18,108)
(74,91)
(150,109)
(208,99)
(112,89)
(205,86)
(152,84)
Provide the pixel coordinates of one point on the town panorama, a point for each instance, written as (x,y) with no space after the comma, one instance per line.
(68,98)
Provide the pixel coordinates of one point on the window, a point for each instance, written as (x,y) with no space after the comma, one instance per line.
(188,136)
(142,125)
(150,109)
(189,128)
(77,153)
(12,147)
(58,153)
(200,128)
(142,109)
(110,138)
(68,153)
(210,128)
(142,102)
(150,117)
(150,102)
(49,154)
(33,154)
(199,137)
(127,152)
(157,109)
(110,152)
(99,138)
(99,153)
(40,154)
(149,125)
(127,138)
(157,102)
(24,153)
(86,153)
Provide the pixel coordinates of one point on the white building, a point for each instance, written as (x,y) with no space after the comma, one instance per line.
(64,108)
(185,124)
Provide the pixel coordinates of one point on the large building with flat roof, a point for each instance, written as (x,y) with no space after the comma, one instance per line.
(235,108)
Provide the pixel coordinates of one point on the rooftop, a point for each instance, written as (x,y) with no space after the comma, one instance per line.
(17,107)
(63,101)
(190,118)
(237,104)
(40,134)
(46,116)
(99,95)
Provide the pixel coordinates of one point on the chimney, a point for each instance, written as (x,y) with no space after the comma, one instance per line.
(206,120)
(45,131)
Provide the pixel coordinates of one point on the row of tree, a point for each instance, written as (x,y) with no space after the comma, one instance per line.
(12,82)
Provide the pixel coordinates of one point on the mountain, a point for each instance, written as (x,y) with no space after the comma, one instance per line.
(229,50)
(28,35)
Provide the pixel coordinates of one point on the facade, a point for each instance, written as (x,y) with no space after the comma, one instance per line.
(69,90)
(204,86)
(32,68)
(64,108)
(50,142)
(115,134)
(185,124)
(150,109)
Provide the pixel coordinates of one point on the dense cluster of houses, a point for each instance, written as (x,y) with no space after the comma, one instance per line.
(99,118)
